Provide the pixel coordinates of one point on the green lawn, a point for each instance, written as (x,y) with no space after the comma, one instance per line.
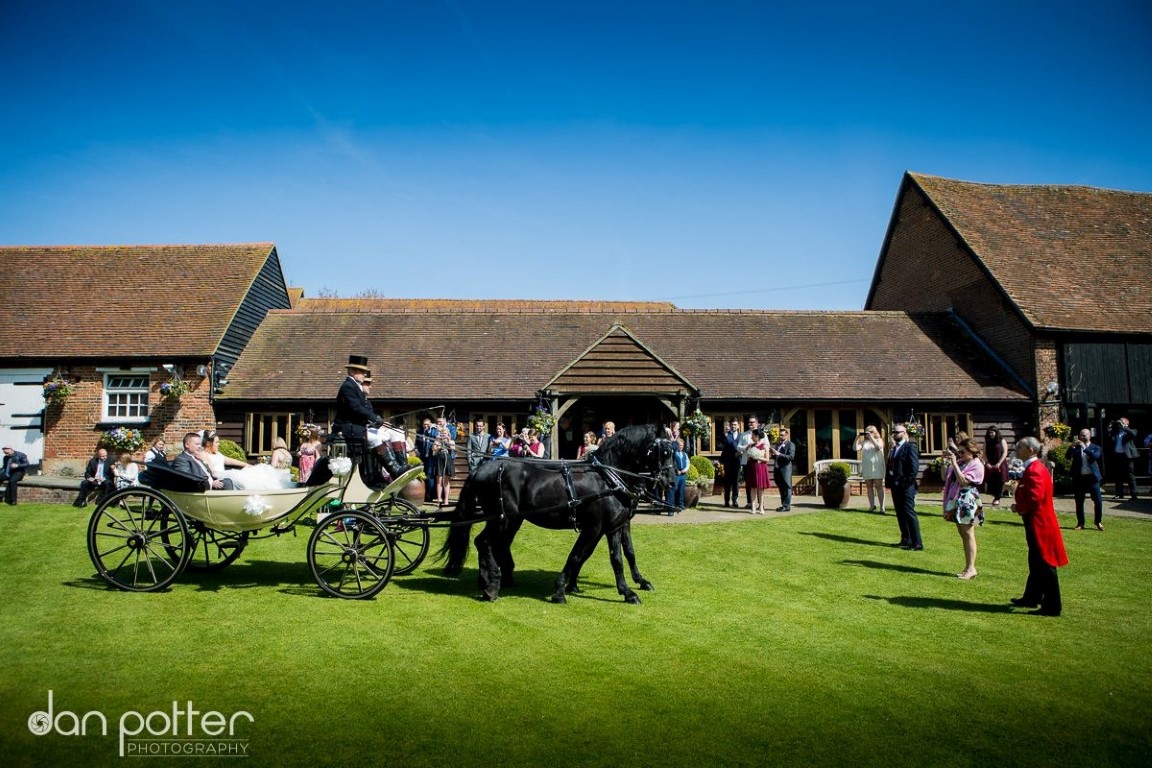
(794,641)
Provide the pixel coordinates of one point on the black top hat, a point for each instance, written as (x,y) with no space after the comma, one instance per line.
(359,362)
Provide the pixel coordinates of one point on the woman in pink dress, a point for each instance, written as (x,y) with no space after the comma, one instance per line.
(758,469)
(308,452)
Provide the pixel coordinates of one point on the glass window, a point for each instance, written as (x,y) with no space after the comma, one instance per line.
(125,397)
(264,428)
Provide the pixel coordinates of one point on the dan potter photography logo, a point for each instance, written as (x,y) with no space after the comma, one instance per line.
(181,731)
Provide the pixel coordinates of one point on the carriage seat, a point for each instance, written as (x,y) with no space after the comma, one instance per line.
(164,478)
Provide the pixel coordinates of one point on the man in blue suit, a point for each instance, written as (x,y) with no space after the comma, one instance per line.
(1086,478)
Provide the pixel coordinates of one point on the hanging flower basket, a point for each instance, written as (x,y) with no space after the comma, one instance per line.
(57,390)
(123,440)
(1058,431)
(696,425)
(914,429)
(174,388)
(773,433)
(541,421)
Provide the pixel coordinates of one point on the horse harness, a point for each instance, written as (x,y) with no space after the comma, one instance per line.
(613,476)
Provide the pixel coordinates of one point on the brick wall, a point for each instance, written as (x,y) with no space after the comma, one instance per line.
(70,429)
(927,268)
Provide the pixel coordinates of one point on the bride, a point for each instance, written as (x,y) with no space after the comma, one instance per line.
(245,477)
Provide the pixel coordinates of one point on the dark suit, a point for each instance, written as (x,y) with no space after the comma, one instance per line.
(190,465)
(730,459)
(353,415)
(782,472)
(12,472)
(900,476)
(1086,483)
(105,483)
(1124,458)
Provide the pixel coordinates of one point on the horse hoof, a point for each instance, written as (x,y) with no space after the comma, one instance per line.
(632,598)
(572,589)
(488,597)
(558,598)
(647,586)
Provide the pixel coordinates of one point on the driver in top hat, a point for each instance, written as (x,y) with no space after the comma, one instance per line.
(353,412)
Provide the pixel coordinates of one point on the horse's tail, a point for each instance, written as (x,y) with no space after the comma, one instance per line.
(455,550)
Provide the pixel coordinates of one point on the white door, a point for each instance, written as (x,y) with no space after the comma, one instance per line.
(22,410)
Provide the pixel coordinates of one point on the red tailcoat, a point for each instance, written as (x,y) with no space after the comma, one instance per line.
(1034,503)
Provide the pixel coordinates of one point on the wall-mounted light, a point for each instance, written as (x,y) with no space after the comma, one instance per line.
(1052,389)
(201,370)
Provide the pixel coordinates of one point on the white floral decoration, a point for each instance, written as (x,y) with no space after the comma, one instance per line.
(256,506)
(340,466)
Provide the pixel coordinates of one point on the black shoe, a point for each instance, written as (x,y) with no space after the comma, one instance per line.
(1131,499)
(1043,612)
(1118,497)
(901,545)
(917,548)
(1020,602)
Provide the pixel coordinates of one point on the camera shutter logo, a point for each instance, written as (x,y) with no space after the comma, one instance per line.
(39,723)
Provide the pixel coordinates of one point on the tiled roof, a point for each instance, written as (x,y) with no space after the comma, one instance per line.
(877,356)
(1070,257)
(123,301)
(382,304)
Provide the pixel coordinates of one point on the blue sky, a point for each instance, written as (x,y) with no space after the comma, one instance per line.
(715,154)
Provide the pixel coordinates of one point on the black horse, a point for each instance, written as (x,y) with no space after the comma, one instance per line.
(597,496)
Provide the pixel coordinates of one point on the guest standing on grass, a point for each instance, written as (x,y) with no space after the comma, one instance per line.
(995,464)
(962,498)
(900,477)
(1085,469)
(1042,531)
(871,448)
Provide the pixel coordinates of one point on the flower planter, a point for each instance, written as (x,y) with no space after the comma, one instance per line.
(836,498)
(414,492)
(691,496)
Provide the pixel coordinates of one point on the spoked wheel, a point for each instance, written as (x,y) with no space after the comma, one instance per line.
(138,540)
(213,550)
(409,540)
(350,554)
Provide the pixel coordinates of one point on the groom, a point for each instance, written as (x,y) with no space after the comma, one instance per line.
(189,463)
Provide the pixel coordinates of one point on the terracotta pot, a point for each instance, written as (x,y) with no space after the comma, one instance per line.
(691,496)
(706,488)
(836,498)
(414,491)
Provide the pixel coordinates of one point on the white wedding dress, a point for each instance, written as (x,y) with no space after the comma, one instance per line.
(255,477)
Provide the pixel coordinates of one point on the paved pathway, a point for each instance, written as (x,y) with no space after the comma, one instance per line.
(712,510)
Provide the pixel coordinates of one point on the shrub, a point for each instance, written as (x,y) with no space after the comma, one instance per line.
(704,467)
(693,475)
(415,461)
(232,450)
(1062,467)
(835,475)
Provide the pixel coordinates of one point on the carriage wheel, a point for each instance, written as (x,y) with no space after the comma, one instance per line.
(138,540)
(410,540)
(350,554)
(213,550)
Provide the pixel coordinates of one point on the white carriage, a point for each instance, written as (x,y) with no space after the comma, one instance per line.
(141,539)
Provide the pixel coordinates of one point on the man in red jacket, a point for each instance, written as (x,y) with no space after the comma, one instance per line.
(1045,543)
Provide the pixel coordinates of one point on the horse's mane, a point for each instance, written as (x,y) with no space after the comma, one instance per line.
(627,443)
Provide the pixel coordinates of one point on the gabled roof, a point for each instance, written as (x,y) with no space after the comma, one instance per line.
(620,363)
(740,355)
(1068,257)
(123,301)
